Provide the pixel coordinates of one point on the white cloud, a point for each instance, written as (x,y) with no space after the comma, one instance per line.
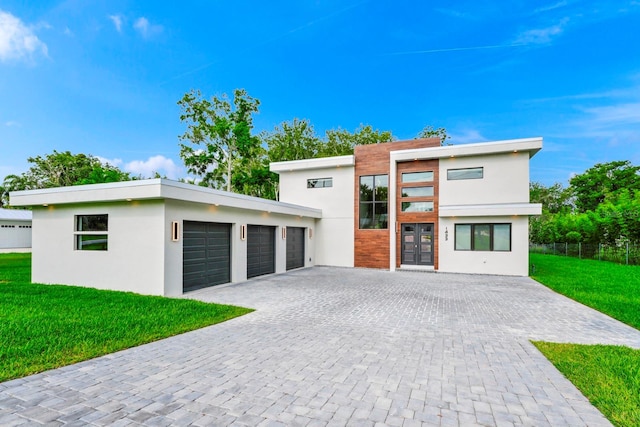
(68,32)
(551,7)
(466,136)
(159,164)
(18,41)
(145,28)
(541,35)
(12,123)
(117,22)
(612,115)
(113,162)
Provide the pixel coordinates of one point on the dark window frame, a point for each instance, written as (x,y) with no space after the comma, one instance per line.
(326,182)
(91,228)
(450,178)
(491,237)
(377,206)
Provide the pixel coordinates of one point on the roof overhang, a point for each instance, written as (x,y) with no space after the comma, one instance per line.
(530,145)
(307,164)
(501,209)
(151,189)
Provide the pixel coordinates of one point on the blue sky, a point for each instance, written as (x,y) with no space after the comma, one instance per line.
(104,77)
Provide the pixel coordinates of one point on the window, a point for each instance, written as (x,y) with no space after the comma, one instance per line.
(417,176)
(320,183)
(417,206)
(90,232)
(374,191)
(417,192)
(468,173)
(483,237)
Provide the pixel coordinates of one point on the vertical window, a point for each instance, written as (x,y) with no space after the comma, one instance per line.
(91,232)
(374,190)
(483,237)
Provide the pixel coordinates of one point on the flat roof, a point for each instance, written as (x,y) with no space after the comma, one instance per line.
(15,214)
(320,163)
(149,189)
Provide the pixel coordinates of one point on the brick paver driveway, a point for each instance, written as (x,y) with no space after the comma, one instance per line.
(330,346)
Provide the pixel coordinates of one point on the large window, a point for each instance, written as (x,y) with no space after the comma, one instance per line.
(374,191)
(483,237)
(320,182)
(467,173)
(91,232)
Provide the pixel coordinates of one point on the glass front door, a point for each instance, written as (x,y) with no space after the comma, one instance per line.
(417,244)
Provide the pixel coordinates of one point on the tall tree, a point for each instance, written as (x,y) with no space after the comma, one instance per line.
(431,132)
(294,140)
(341,142)
(554,198)
(218,136)
(596,183)
(61,169)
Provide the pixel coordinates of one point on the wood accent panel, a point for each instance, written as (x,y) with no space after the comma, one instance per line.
(417,217)
(371,247)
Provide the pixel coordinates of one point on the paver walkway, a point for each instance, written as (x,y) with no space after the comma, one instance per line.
(331,346)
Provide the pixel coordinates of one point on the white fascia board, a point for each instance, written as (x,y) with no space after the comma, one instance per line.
(307,164)
(154,189)
(503,209)
(532,145)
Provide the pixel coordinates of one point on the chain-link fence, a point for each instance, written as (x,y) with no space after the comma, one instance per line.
(622,254)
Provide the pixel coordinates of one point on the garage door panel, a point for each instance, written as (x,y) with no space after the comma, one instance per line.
(260,250)
(295,247)
(206,254)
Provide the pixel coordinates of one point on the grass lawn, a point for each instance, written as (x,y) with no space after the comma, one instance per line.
(48,326)
(610,288)
(609,376)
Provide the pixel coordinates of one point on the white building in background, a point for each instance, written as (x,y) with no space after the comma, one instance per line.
(15,230)
(407,204)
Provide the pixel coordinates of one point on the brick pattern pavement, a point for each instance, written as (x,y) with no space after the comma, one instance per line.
(334,347)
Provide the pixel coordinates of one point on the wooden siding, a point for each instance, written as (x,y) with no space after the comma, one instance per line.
(371,246)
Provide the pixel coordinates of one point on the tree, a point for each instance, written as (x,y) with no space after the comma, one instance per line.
(596,183)
(431,132)
(62,169)
(294,140)
(341,142)
(218,135)
(554,199)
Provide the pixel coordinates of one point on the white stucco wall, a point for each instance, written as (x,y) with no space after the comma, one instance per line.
(135,255)
(515,262)
(15,235)
(185,211)
(506,180)
(335,231)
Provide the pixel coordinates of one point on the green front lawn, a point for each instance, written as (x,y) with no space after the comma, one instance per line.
(609,376)
(48,326)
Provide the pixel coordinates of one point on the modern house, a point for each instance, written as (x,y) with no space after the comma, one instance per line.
(15,230)
(408,204)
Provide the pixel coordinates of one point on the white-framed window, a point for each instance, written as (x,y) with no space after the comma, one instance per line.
(483,237)
(91,232)
(466,173)
(320,183)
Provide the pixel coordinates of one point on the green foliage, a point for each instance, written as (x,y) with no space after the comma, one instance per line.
(431,132)
(218,136)
(602,181)
(61,169)
(294,140)
(609,376)
(554,199)
(48,326)
(340,142)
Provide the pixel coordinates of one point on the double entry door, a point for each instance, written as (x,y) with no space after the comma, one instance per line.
(417,244)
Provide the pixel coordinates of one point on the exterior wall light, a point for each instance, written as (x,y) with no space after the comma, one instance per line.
(175,231)
(446,234)
(243,232)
